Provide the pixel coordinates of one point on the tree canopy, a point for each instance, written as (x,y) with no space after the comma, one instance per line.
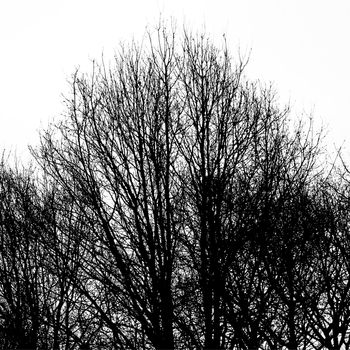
(178,206)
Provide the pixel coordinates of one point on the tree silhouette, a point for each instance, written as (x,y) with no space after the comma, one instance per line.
(21,274)
(177,207)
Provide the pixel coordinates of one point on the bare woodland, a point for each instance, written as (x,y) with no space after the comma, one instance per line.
(175,205)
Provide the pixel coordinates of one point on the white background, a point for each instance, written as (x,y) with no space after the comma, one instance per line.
(302,46)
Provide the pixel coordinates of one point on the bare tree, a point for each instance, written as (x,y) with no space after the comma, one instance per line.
(115,159)
(186,212)
(21,260)
(328,315)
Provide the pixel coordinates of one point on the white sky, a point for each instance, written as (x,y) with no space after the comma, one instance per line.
(302,46)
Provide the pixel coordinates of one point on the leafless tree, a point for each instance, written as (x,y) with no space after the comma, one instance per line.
(115,159)
(186,212)
(21,259)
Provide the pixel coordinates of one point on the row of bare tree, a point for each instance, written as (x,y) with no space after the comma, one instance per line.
(177,206)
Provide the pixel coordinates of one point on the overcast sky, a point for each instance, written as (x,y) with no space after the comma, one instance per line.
(302,46)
